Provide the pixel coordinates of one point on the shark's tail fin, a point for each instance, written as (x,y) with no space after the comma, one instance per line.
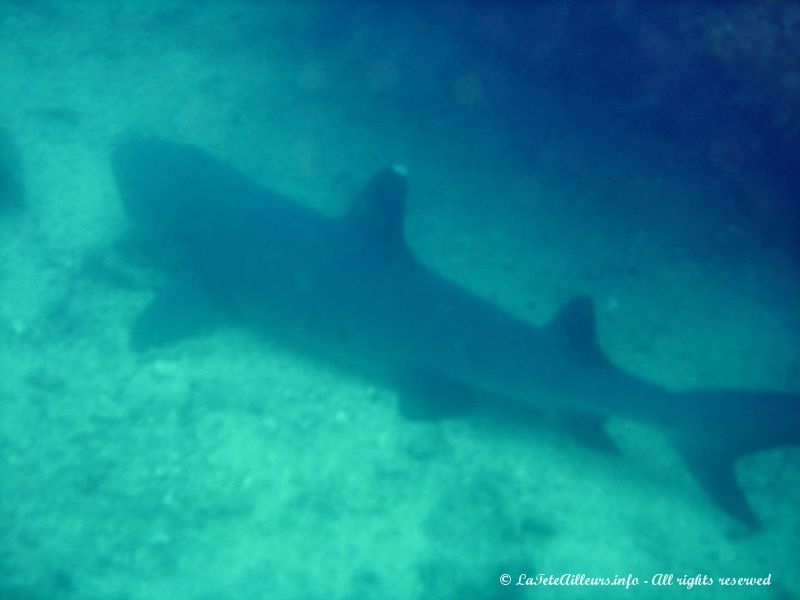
(719,426)
(714,469)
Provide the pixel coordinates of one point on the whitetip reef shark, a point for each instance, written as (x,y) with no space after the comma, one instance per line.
(350,290)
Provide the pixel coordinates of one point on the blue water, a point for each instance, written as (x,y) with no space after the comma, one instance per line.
(643,154)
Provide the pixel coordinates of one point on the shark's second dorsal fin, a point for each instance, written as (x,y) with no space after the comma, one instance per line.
(574,326)
(379,209)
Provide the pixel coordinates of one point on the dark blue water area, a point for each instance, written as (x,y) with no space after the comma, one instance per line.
(656,71)
(696,86)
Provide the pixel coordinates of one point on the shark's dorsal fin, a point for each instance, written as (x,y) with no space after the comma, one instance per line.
(379,209)
(574,326)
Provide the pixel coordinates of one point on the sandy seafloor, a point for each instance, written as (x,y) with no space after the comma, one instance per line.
(226,467)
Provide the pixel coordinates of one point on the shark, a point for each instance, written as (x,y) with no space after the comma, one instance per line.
(350,290)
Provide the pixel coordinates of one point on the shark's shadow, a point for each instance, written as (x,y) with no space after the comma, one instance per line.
(349,290)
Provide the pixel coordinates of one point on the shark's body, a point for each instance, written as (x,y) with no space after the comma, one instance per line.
(351,291)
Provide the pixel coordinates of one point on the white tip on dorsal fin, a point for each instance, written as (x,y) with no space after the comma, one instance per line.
(379,208)
(574,325)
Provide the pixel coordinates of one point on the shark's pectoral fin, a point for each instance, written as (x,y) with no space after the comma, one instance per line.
(179,310)
(588,429)
(428,395)
(715,470)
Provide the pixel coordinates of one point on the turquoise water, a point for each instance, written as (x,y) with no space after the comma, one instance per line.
(552,151)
